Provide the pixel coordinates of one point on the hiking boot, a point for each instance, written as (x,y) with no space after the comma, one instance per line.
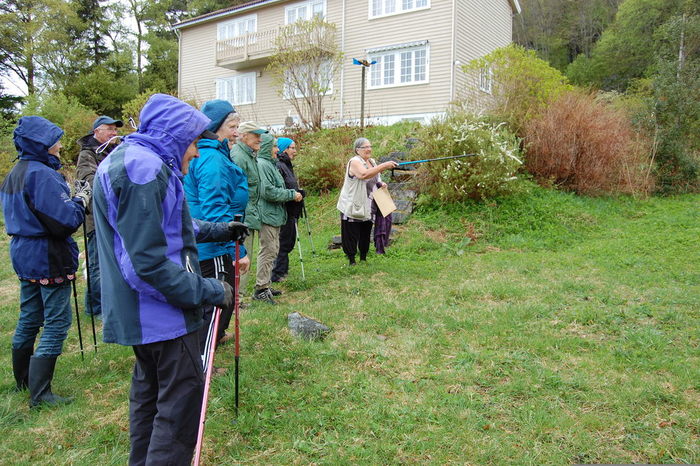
(264,294)
(40,376)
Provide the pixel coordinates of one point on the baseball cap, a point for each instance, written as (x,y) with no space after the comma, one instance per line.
(105,120)
(251,127)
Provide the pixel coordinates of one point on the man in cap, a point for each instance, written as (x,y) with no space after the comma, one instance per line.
(94,148)
(152,290)
(244,154)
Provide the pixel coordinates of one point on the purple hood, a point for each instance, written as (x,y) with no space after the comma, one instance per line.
(167,126)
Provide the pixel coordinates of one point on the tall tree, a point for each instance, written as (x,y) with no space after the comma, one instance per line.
(32,34)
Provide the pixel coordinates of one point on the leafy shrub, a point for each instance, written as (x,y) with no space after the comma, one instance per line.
(490,173)
(523,84)
(323,155)
(74,119)
(589,147)
(7,147)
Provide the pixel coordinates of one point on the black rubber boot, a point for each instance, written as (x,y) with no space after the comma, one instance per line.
(40,376)
(20,366)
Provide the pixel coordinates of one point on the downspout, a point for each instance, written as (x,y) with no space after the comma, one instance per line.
(342,66)
(179,62)
(452,52)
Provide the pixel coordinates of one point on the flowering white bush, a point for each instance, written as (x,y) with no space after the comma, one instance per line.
(491,172)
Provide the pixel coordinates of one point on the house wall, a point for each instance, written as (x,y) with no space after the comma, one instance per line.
(480,26)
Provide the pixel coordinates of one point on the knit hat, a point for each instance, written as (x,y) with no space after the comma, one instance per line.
(217,110)
(284,143)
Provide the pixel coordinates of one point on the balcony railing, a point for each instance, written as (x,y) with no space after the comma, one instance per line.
(256,47)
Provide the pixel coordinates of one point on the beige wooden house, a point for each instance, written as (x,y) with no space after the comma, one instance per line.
(419,46)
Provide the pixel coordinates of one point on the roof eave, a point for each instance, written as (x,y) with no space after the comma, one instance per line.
(223,13)
(515,5)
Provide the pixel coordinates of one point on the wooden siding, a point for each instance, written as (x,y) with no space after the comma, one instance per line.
(481,26)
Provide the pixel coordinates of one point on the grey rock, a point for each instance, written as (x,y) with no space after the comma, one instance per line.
(306,327)
(399,217)
(406,206)
(336,243)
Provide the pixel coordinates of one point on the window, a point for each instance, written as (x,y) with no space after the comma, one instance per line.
(305,10)
(392,7)
(486,80)
(237,27)
(313,79)
(238,90)
(399,65)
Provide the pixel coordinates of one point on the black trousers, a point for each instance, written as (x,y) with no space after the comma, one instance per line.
(165,401)
(221,267)
(288,236)
(354,236)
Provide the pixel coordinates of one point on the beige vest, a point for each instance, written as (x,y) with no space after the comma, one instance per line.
(354,201)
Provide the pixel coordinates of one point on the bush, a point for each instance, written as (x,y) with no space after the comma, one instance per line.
(323,155)
(74,118)
(589,147)
(523,84)
(491,173)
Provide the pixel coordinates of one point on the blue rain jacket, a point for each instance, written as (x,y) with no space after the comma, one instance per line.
(146,239)
(40,214)
(217,191)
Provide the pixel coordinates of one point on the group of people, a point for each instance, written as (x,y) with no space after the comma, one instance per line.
(170,212)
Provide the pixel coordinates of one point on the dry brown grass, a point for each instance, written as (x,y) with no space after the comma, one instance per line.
(589,147)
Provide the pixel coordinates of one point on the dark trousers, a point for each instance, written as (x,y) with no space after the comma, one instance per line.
(165,401)
(354,236)
(288,236)
(222,268)
(93,300)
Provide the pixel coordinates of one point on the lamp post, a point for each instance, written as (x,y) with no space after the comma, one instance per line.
(364,64)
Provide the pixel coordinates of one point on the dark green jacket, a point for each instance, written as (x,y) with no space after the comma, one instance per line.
(244,157)
(273,194)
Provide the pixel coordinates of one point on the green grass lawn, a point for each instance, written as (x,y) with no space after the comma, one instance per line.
(545,328)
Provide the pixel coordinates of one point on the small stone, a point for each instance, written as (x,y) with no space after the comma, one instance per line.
(306,327)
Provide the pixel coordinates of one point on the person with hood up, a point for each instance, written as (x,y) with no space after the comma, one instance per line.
(217,191)
(152,290)
(94,148)
(273,195)
(288,233)
(41,216)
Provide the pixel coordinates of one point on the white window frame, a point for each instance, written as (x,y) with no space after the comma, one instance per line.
(221,27)
(230,93)
(308,14)
(486,80)
(395,72)
(384,8)
(299,95)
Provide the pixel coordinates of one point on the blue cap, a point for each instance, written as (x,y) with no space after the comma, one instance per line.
(217,110)
(105,120)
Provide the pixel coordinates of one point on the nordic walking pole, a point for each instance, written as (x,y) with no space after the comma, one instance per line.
(301,257)
(308,229)
(236,323)
(77,318)
(207,383)
(89,291)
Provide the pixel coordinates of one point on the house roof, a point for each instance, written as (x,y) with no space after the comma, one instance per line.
(515,5)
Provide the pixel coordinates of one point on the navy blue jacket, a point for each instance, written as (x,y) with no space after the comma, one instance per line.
(40,214)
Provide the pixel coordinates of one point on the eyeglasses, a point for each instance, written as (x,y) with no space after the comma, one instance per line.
(365,147)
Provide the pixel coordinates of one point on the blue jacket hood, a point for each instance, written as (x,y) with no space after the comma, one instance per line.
(34,136)
(167,126)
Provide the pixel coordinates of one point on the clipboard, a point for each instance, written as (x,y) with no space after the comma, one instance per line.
(384,201)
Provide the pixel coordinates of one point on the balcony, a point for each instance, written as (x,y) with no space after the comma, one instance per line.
(256,48)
